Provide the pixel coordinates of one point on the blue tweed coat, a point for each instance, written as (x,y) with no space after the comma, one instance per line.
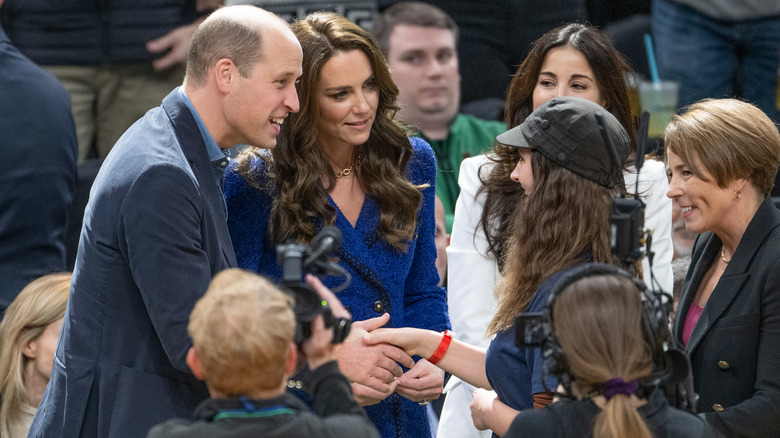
(383,280)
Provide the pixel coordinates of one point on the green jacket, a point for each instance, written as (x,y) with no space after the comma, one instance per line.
(469,136)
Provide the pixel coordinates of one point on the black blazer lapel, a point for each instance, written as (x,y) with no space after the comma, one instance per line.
(704,252)
(730,284)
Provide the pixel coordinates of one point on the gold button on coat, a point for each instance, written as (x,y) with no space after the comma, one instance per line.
(717,408)
(723,365)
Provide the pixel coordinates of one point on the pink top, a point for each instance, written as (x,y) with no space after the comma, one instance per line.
(690,322)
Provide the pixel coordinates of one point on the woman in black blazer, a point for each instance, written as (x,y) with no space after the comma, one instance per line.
(722,157)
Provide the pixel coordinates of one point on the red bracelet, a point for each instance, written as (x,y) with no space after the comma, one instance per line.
(442,348)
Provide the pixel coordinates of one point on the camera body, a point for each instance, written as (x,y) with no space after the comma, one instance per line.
(627,229)
(296,260)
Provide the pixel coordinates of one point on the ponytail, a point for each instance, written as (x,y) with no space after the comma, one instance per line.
(620,418)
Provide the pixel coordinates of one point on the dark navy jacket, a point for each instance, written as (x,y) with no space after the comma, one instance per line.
(37,171)
(154,235)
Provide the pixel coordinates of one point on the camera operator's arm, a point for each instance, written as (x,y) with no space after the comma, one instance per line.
(332,397)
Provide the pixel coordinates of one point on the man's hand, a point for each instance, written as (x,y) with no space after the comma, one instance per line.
(366,396)
(174,47)
(422,383)
(318,348)
(375,366)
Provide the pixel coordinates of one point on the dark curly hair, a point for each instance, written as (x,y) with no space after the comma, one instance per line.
(297,165)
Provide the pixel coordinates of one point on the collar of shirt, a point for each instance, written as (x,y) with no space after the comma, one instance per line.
(216,154)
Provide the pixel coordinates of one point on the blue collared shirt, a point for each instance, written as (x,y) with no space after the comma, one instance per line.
(217,156)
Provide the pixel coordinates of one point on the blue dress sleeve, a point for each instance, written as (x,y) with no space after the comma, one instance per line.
(248,215)
(424,301)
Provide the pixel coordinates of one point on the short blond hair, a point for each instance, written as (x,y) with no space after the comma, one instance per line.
(731,139)
(241,330)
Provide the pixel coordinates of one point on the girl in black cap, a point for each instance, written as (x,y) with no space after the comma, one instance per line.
(563,221)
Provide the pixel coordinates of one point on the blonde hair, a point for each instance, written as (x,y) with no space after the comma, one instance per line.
(241,330)
(40,303)
(598,323)
(731,139)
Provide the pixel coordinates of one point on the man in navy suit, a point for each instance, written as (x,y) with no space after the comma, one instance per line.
(155,233)
(37,171)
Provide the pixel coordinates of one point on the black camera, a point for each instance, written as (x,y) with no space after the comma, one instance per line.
(627,227)
(627,217)
(297,259)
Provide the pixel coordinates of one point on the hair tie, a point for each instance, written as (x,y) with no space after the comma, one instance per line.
(618,386)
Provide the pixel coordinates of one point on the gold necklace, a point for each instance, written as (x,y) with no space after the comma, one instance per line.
(348,170)
(723,254)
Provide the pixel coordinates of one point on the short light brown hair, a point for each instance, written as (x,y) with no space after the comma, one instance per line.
(227,34)
(241,330)
(410,13)
(730,139)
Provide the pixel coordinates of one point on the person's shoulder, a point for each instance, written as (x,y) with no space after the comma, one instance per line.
(35,93)
(422,151)
(558,419)
(176,428)
(538,422)
(539,300)
(420,146)
(652,170)
(676,423)
(473,122)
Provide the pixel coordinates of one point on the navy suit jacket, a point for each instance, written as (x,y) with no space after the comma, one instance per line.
(154,235)
(735,345)
(37,171)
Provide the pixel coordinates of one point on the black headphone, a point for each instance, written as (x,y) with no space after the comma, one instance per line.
(656,306)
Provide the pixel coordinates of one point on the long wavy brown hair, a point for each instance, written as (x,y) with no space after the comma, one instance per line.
(564,221)
(609,67)
(297,165)
(598,323)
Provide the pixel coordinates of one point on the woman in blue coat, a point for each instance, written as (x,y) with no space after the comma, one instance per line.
(343,160)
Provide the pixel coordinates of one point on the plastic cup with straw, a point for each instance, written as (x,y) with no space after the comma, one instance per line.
(657,97)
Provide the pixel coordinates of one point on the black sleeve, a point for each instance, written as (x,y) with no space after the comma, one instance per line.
(532,423)
(332,400)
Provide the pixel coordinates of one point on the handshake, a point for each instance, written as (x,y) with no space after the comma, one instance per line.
(372,358)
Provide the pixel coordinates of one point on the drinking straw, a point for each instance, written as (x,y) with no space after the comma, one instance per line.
(651,58)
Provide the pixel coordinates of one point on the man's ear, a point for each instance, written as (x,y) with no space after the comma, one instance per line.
(292,359)
(193,361)
(225,74)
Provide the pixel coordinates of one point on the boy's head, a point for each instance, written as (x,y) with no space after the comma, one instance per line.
(242,332)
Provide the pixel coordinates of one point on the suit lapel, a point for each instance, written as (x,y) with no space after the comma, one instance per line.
(194,148)
(695,275)
(737,272)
